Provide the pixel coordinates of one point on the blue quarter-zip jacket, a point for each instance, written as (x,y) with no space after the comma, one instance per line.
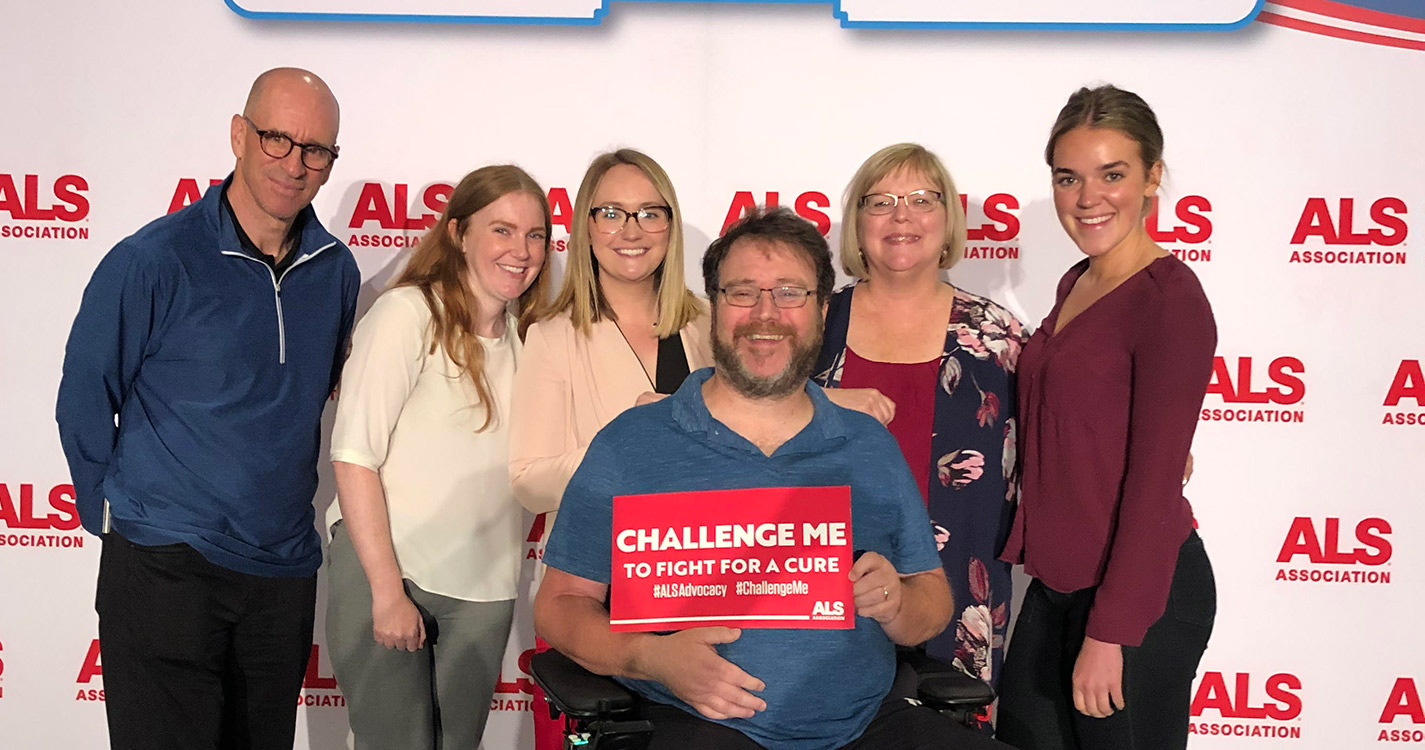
(217,369)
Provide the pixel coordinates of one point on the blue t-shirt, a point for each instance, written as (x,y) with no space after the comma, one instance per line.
(823,686)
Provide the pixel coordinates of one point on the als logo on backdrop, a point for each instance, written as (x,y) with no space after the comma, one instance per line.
(36,516)
(1243,704)
(1313,550)
(44,207)
(1402,703)
(396,215)
(1407,385)
(1255,389)
(319,689)
(1183,228)
(1351,231)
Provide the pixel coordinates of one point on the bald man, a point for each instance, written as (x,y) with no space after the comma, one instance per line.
(204,350)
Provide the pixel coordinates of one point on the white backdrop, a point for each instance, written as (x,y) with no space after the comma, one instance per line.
(1283,146)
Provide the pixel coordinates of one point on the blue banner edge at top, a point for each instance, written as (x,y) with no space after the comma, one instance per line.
(603,10)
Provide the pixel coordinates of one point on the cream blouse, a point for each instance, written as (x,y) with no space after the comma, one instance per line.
(568,387)
(411,416)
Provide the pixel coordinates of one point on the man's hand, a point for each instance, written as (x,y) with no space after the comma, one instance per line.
(686,663)
(396,623)
(865,400)
(876,588)
(1098,679)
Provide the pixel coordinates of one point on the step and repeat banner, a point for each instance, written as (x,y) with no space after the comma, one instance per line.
(1294,191)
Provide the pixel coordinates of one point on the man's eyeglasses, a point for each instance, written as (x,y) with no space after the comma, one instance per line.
(277,145)
(920,201)
(746,295)
(612,219)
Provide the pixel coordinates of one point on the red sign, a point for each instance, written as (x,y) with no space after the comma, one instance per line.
(756,558)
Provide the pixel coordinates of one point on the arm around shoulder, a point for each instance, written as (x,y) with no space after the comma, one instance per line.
(541,422)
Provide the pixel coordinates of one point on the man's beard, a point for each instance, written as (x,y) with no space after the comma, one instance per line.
(792,378)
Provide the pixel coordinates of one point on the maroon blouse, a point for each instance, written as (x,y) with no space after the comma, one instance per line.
(911,386)
(1108,407)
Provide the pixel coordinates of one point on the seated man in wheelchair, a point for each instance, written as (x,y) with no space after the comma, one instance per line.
(754,421)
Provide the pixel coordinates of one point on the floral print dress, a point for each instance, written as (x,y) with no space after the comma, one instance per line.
(973,468)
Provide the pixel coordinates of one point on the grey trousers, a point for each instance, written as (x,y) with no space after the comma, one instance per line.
(437,698)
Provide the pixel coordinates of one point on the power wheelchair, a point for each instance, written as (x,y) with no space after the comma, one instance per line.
(600,714)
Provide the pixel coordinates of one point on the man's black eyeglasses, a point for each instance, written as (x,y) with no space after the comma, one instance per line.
(277,145)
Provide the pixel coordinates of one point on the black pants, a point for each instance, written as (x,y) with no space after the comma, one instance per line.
(196,655)
(1036,709)
(898,725)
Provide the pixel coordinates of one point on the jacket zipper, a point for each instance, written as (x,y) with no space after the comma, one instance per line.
(277,292)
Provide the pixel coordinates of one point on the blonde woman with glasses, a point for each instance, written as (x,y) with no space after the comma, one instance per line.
(623,331)
(936,364)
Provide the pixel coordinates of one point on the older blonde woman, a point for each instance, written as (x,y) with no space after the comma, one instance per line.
(936,364)
(623,331)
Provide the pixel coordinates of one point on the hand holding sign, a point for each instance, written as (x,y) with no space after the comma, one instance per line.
(876,586)
(762,557)
(688,663)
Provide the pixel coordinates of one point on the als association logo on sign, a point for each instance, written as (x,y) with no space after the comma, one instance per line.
(319,690)
(1187,233)
(88,670)
(513,694)
(1350,233)
(401,215)
(1255,390)
(52,523)
(1407,385)
(44,208)
(1242,705)
(1314,551)
(1402,703)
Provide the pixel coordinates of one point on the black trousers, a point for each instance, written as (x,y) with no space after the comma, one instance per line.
(197,656)
(899,725)
(1036,707)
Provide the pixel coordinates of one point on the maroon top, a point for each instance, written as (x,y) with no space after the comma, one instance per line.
(912,388)
(1108,407)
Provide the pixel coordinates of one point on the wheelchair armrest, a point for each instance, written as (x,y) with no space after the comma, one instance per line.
(576,692)
(942,685)
(953,689)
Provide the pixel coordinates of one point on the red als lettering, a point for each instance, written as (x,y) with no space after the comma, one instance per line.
(520,684)
(1409,382)
(742,202)
(1301,540)
(23,203)
(536,529)
(69,191)
(371,205)
(91,667)
(187,193)
(435,197)
(1386,213)
(1404,700)
(1371,533)
(1193,224)
(314,680)
(1317,221)
(561,211)
(1212,693)
(1284,372)
(10,199)
(1281,688)
(807,206)
(1000,224)
(1325,549)
(19,512)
